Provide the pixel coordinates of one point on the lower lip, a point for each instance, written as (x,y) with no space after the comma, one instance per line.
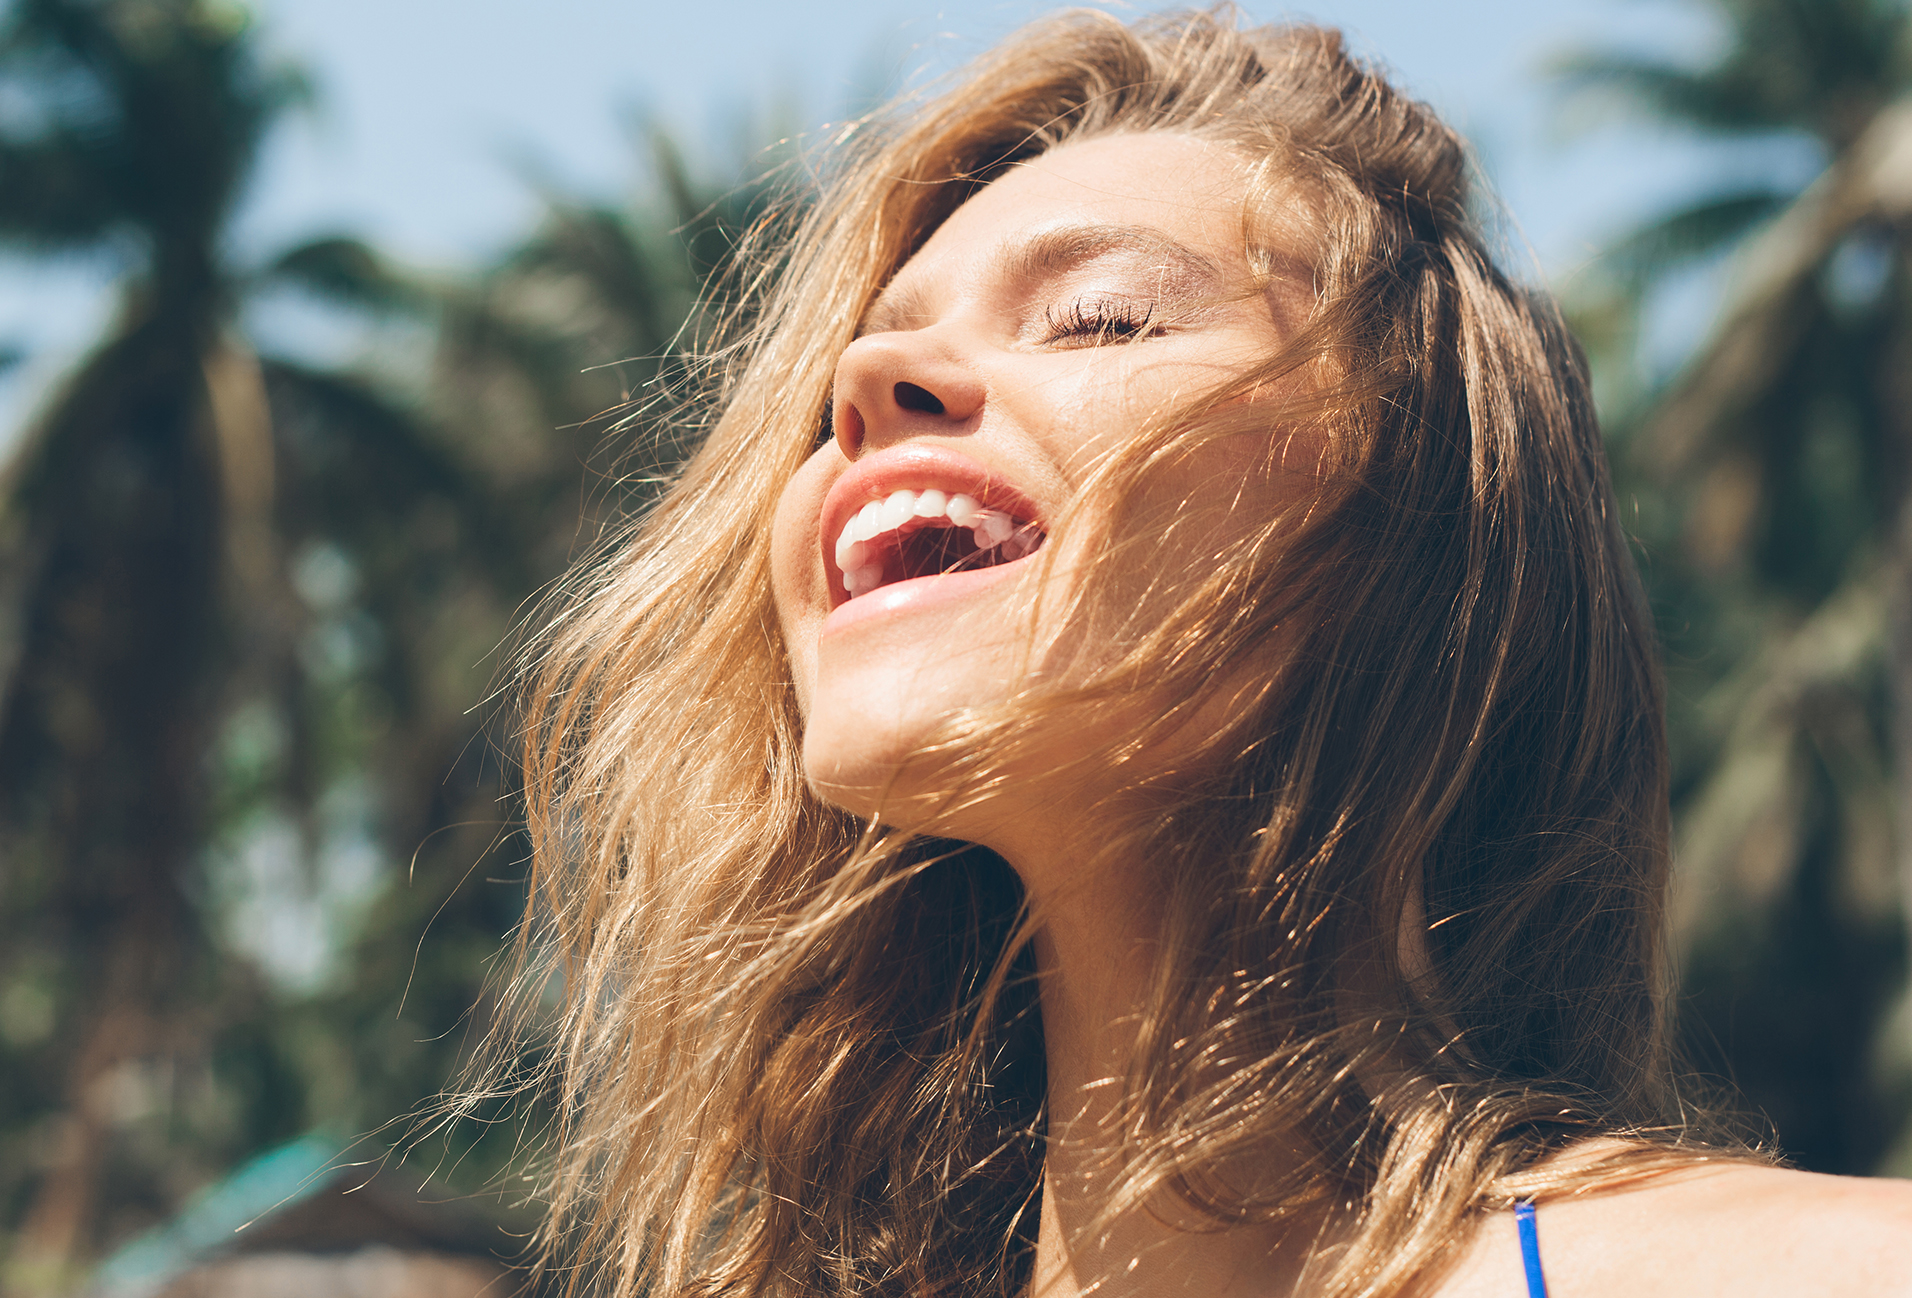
(918,593)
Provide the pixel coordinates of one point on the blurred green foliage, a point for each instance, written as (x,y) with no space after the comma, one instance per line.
(257,848)
(257,855)
(1767,482)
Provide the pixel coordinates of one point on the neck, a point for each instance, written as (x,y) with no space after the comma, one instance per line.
(1095,951)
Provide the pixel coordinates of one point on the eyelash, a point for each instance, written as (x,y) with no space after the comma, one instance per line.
(1100,320)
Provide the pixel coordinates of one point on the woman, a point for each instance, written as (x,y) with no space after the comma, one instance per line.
(1130,760)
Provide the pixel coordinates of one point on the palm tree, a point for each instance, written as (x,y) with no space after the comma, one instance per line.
(1773,475)
(244,587)
(564,367)
(177,663)
(150,469)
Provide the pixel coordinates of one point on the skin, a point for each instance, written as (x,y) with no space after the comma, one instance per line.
(1033,408)
(983,319)
(1740,1231)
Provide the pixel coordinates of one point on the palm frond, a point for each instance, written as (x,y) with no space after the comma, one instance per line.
(53,196)
(346,271)
(601,247)
(1767,315)
(362,463)
(1822,67)
(149,114)
(1689,234)
(1740,834)
(1660,90)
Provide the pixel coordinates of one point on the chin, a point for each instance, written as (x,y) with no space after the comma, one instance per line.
(869,760)
(885,692)
(853,777)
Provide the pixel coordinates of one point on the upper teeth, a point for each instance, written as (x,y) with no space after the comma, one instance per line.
(862,564)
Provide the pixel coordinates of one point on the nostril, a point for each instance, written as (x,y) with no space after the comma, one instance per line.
(921,400)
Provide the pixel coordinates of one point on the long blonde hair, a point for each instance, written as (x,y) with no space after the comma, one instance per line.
(798,1054)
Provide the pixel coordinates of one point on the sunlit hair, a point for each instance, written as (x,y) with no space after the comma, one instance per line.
(1411,864)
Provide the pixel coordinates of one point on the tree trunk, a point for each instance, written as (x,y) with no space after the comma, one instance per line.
(104,728)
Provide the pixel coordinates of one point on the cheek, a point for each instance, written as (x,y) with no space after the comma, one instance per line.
(1093,415)
(1118,392)
(796,569)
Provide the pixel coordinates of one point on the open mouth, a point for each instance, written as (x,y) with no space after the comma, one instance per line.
(912,534)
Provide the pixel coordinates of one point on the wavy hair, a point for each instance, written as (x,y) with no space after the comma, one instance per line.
(1412,868)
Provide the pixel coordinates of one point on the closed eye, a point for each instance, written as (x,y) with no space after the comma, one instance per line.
(1089,321)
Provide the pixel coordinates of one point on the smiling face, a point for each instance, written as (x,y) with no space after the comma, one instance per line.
(1044,323)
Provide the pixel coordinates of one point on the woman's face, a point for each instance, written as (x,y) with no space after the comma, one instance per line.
(1036,331)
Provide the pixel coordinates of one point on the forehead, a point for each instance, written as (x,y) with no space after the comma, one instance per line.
(1177,198)
(1180,182)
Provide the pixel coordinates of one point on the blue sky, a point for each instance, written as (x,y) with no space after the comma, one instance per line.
(432,114)
(427,106)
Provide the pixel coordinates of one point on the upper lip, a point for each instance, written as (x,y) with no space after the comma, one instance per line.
(916,467)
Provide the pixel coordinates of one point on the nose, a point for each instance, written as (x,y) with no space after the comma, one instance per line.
(889,385)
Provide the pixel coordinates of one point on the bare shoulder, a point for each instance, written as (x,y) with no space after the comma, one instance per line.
(1746,1231)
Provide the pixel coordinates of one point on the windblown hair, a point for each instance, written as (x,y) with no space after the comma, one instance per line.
(1412,881)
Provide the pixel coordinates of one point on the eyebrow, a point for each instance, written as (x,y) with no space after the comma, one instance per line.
(1055,251)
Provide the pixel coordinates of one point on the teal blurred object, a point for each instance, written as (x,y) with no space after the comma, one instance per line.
(274,1180)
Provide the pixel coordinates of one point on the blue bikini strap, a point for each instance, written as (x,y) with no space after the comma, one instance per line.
(1530,1248)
